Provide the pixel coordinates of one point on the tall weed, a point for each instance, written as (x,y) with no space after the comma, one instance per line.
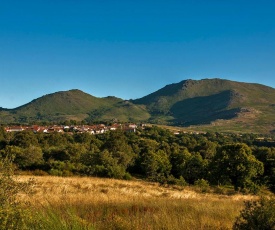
(13,214)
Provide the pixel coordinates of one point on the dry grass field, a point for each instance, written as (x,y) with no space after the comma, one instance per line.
(94,203)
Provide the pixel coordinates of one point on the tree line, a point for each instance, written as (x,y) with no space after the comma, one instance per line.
(152,153)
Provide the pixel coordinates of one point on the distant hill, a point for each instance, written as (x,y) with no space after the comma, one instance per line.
(208,104)
(73,105)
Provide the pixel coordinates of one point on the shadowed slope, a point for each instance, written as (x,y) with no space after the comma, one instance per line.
(200,102)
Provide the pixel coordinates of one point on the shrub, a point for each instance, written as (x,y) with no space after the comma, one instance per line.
(127,176)
(39,172)
(174,181)
(203,185)
(12,213)
(257,215)
(181,182)
(251,187)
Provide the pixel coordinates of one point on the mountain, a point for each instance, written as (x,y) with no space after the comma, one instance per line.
(208,104)
(73,105)
(214,102)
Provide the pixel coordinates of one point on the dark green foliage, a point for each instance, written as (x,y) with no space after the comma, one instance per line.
(56,139)
(24,158)
(29,157)
(267,156)
(83,138)
(24,139)
(61,168)
(110,157)
(103,164)
(257,215)
(2,134)
(207,149)
(116,143)
(156,165)
(234,164)
(57,153)
(202,185)
(194,168)
(153,153)
(179,161)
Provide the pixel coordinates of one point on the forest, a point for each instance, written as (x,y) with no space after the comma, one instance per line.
(154,154)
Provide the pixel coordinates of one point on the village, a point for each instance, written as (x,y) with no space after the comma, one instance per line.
(91,129)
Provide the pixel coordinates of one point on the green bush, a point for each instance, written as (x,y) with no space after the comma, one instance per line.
(202,185)
(257,215)
(127,176)
(181,182)
(174,181)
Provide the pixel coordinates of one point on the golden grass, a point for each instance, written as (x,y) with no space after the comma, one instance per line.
(116,204)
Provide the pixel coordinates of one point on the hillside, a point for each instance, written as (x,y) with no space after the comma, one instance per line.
(208,104)
(213,102)
(73,105)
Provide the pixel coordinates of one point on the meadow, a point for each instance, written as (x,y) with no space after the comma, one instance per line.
(95,203)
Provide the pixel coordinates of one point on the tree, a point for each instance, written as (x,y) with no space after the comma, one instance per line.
(83,138)
(117,145)
(2,133)
(103,164)
(31,156)
(257,215)
(156,165)
(3,137)
(178,160)
(207,149)
(56,139)
(194,168)
(267,156)
(24,157)
(235,164)
(56,153)
(75,151)
(188,141)
(24,139)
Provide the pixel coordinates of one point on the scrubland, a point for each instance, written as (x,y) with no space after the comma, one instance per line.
(94,203)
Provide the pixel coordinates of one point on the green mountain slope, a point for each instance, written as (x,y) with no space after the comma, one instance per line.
(124,111)
(212,100)
(72,105)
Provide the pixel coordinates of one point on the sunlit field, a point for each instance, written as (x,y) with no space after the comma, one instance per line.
(93,203)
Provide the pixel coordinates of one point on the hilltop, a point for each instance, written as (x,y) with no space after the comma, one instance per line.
(209,104)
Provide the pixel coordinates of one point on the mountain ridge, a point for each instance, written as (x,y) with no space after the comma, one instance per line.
(203,103)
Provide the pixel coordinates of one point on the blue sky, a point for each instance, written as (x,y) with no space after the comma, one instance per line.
(129,48)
